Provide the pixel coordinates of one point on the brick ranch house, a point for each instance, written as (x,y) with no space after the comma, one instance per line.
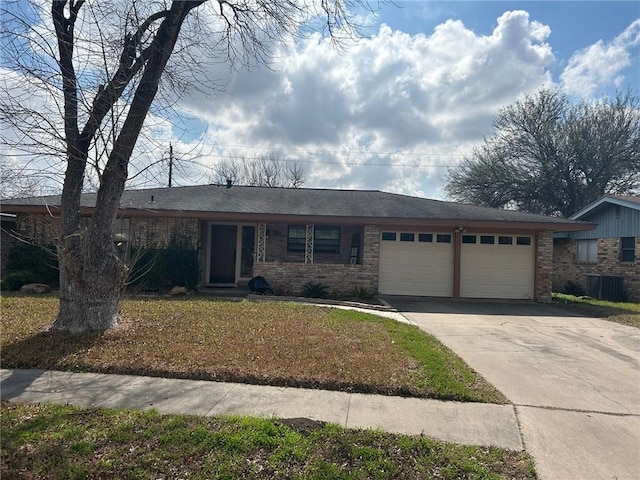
(388,243)
(605,261)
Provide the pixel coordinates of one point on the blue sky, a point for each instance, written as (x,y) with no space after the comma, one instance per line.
(397,109)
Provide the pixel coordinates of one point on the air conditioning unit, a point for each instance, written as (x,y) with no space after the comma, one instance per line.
(606,287)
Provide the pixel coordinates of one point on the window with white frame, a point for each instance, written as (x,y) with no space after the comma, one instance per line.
(587,251)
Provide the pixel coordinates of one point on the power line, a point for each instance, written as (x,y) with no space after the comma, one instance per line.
(333,162)
(346,152)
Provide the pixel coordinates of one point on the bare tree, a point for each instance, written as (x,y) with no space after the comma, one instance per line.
(80,80)
(552,157)
(18,180)
(261,171)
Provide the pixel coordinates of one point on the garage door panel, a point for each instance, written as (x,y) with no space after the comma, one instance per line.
(487,270)
(416,268)
(497,271)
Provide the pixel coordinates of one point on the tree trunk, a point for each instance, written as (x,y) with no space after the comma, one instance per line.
(91,273)
(90,284)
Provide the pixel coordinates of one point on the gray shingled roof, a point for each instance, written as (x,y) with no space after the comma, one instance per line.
(304,202)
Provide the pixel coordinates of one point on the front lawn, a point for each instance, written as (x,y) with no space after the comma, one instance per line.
(47,441)
(626,313)
(270,343)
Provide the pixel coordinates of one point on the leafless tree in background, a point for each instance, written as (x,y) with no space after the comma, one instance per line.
(261,171)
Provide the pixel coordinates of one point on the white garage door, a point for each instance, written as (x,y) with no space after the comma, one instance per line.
(497,266)
(416,264)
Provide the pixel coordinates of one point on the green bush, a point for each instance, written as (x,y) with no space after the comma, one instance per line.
(362,293)
(574,289)
(14,280)
(315,290)
(28,263)
(159,268)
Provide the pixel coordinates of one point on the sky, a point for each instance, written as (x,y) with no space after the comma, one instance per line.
(395,110)
(398,108)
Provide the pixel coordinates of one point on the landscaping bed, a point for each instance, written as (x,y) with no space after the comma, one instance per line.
(272,343)
(50,441)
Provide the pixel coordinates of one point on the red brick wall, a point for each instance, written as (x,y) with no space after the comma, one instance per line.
(341,278)
(6,241)
(37,228)
(566,268)
(288,278)
(144,231)
(276,247)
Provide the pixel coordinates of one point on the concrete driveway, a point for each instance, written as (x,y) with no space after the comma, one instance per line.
(574,381)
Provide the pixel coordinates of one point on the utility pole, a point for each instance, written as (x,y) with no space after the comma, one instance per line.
(170,163)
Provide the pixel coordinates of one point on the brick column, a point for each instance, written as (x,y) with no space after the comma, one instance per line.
(371,253)
(544,267)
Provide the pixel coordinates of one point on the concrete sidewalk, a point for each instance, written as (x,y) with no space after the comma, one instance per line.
(464,423)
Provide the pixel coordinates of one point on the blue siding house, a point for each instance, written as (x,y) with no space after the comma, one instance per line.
(604,262)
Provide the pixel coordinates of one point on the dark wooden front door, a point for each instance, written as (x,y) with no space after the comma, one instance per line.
(223,254)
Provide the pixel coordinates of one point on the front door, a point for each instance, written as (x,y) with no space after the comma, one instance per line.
(223,254)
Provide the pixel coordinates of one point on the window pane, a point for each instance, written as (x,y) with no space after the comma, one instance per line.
(296,238)
(587,250)
(468,239)
(487,239)
(628,242)
(329,233)
(505,240)
(389,236)
(443,238)
(628,249)
(628,256)
(523,240)
(326,239)
(407,237)
(297,231)
(425,237)
(121,229)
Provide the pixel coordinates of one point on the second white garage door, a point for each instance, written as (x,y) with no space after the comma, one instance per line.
(416,264)
(497,266)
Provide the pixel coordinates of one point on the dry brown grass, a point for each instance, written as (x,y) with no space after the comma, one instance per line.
(263,343)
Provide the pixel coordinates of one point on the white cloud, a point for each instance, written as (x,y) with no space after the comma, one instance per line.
(601,64)
(395,99)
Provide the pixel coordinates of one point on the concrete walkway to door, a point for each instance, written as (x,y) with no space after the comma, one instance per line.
(574,381)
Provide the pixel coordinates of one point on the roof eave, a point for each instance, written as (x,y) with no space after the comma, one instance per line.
(54,211)
(600,202)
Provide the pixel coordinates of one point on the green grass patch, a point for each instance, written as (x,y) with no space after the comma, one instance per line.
(440,371)
(48,441)
(626,313)
(273,343)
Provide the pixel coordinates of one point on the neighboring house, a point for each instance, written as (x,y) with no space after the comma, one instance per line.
(604,262)
(387,243)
